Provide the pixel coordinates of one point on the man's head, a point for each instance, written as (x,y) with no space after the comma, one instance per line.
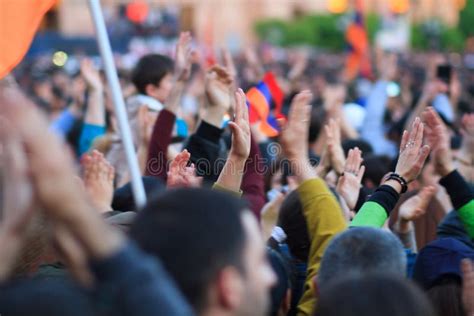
(386,295)
(211,245)
(152,76)
(293,223)
(361,251)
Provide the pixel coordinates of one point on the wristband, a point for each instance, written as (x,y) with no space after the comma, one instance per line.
(399,179)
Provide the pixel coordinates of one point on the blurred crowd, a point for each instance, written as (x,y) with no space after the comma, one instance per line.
(363,204)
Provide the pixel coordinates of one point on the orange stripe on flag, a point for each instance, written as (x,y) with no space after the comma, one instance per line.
(19,20)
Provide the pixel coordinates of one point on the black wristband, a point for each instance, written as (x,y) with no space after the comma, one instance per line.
(399,179)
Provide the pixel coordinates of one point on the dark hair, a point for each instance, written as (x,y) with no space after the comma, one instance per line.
(150,70)
(374,295)
(362,251)
(293,223)
(364,146)
(318,116)
(445,295)
(375,168)
(195,233)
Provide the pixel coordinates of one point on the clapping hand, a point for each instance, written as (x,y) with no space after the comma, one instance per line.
(416,206)
(413,153)
(437,138)
(334,148)
(348,185)
(184,57)
(182,175)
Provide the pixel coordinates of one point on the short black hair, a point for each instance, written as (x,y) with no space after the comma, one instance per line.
(376,167)
(362,251)
(195,233)
(318,116)
(293,223)
(373,295)
(150,69)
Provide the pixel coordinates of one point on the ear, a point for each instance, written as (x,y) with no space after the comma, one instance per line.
(151,89)
(230,288)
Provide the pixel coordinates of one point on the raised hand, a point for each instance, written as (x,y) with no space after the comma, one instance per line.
(229,63)
(53,178)
(17,207)
(231,175)
(413,153)
(416,206)
(180,175)
(437,138)
(98,177)
(270,213)
(467,268)
(240,127)
(91,75)
(334,147)
(294,137)
(294,134)
(218,87)
(145,125)
(348,185)
(184,56)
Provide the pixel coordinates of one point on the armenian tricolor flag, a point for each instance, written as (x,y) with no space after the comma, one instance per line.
(19,20)
(358,58)
(265,102)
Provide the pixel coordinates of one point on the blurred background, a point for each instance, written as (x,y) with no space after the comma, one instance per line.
(394,24)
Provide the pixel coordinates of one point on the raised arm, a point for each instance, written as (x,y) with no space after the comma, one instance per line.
(323,215)
(161,135)
(231,175)
(205,145)
(140,285)
(410,162)
(94,119)
(459,191)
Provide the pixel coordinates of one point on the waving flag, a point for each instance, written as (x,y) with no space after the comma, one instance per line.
(265,102)
(19,20)
(358,58)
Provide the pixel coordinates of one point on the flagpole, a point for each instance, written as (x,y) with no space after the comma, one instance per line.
(119,104)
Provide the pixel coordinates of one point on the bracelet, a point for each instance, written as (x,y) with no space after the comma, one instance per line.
(399,179)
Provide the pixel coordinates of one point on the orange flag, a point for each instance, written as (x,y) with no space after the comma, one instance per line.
(19,20)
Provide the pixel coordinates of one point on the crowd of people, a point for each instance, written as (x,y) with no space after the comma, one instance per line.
(362,205)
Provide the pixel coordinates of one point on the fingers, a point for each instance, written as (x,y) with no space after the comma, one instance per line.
(360,174)
(236,131)
(414,130)
(222,74)
(404,142)
(422,155)
(432,118)
(299,111)
(241,112)
(354,160)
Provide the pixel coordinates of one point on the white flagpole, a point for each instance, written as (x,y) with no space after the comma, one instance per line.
(119,104)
